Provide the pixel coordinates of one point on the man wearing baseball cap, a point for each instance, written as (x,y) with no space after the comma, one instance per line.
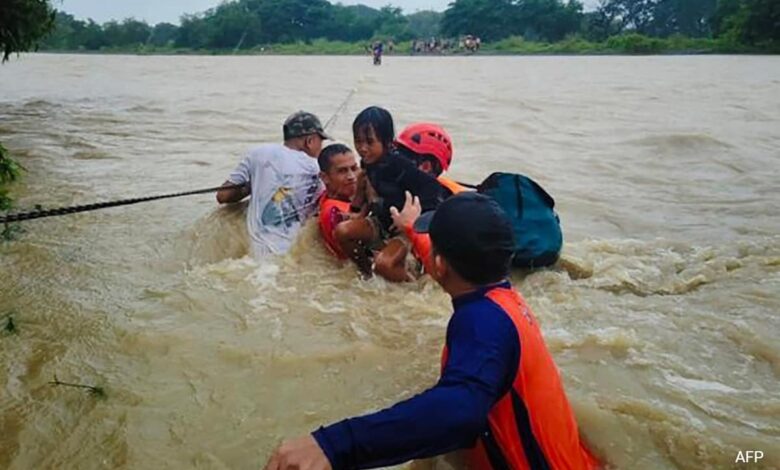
(499,396)
(283,182)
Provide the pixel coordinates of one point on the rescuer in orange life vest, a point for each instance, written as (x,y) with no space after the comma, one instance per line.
(429,146)
(339,171)
(499,394)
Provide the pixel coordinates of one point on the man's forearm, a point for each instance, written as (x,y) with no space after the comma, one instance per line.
(233,193)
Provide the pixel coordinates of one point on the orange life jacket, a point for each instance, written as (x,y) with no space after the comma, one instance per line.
(532,426)
(421,247)
(331,213)
(452,185)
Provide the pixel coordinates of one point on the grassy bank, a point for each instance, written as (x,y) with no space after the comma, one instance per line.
(575,45)
(630,44)
(9,172)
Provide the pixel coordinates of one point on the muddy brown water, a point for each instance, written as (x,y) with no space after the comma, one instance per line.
(662,316)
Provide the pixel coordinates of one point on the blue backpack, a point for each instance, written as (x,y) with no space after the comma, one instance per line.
(537,227)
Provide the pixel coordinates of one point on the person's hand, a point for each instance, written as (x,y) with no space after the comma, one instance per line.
(302,453)
(410,212)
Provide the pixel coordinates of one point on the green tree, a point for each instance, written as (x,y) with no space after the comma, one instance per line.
(232,26)
(391,23)
(351,23)
(548,20)
(62,34)
(488,19)
(9,172)
(687,17)
(424,24)
(193,32)
(723,18)
(596,26)
(654,17)
(634,15)
(23,23)
(291,20)
(91,36)
(72,34)
(163,34)
(129,32)
(752,22)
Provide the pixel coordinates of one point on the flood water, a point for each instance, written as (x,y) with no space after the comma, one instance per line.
(663,314)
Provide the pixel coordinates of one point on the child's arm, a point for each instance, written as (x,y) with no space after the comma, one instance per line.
(404,221)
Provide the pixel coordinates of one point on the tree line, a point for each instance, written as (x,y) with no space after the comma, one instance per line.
(245,24)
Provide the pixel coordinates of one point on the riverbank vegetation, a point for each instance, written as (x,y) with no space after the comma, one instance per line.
(504,26)
(514,45)
(10,170)
(22,24)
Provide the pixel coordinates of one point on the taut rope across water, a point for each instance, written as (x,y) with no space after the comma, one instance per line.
(42,213)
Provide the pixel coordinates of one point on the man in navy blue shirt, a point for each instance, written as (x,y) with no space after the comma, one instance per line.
(504,404)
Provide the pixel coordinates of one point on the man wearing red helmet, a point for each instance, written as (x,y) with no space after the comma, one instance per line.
(429,146)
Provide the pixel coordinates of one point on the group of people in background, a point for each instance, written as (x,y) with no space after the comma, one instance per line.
(434,45)
(499,396)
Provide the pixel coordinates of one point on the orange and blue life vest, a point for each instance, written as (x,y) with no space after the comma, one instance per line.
(532,425)
(499,394)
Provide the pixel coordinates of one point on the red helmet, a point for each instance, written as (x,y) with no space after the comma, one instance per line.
(425,138)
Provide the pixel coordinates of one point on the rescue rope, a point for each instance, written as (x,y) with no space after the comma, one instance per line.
(341,108)
(41,213)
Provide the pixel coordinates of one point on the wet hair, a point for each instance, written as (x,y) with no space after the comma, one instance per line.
(480,267)
(378,119)
(325,159)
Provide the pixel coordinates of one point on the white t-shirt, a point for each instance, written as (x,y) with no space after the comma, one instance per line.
(285,189)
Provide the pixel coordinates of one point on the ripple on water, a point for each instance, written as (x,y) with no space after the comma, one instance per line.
(662,314)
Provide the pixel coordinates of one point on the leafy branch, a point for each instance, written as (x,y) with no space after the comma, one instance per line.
(97,391)
(10,326)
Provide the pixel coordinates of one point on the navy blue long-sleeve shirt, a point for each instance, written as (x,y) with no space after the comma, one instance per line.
(483,356)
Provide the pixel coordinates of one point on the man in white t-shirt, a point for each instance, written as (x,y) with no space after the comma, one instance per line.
(284,184)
